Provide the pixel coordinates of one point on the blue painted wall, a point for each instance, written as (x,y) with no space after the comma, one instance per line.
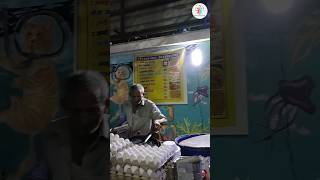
(274,43)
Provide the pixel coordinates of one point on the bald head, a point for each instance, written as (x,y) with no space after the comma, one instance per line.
(87,81)
(85,101)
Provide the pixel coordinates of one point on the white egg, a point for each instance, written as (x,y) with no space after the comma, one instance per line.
(127,169)
(133,151)
(117,160)
(140,159)
(134,159)
(144,152)
(112,147)
(149,172)
(134,170)
(129,150)
(157,156)
(124,144)
(142,172)
(162,151)
(119,168)
(154,165)
(120,158)
(148,163)
(116,144)
(144,162)
(158,153)
(120,154)
(126,157)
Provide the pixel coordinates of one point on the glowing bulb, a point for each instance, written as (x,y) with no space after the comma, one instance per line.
(277,6)
(196,57)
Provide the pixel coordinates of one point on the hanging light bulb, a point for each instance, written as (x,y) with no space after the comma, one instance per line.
(196,57)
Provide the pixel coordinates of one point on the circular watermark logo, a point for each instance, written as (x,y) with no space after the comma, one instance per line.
(199,11)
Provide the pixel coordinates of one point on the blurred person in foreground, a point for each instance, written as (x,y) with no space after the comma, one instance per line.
(76,147)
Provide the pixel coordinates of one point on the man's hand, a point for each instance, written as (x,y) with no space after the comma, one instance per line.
(158,123)
(156,126)
(162,121)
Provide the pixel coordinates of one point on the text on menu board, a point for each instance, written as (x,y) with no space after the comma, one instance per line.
(162,76)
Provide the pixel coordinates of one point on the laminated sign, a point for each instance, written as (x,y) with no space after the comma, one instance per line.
(162,75)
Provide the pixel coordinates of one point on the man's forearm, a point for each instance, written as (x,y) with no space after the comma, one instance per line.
(161,121)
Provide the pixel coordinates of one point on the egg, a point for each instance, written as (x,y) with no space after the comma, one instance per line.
(120,158)
(119,168)
(149,172)
(142,172)
(154,165)
(145,162)
(111,146)
(127,169)
(134,170)
(126,157)
(148,163)
(134,159)
(140,159)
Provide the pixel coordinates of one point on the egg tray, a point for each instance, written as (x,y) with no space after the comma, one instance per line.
(119,171)
(131,172)
(118,144)
(146,156)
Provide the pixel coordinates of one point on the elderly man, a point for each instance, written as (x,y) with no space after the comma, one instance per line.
(142,115)
(76,147)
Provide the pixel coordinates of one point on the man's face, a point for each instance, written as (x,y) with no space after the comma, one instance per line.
(85,112)
(136,97)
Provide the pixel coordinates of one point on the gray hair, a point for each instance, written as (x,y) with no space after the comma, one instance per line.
(137,87)
(87,81)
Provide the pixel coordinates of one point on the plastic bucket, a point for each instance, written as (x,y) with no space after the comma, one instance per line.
(192,151)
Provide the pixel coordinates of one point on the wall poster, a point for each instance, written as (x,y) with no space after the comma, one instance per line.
(162,75)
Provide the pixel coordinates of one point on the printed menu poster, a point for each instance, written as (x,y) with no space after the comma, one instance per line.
(93,45)
(162,75)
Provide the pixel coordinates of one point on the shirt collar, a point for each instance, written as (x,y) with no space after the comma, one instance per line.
(143,101)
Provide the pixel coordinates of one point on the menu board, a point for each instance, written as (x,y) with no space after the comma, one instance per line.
(93,45)
(162,75)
